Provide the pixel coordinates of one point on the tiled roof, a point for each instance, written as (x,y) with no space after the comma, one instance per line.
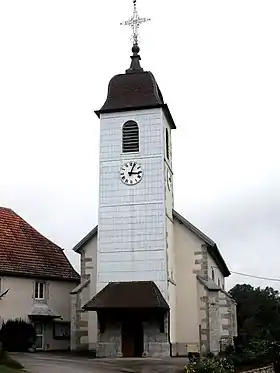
(134,91)
(25,252)
(128,295)
(131,91)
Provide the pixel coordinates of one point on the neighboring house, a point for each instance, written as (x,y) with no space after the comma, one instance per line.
(35,281)
(205,312)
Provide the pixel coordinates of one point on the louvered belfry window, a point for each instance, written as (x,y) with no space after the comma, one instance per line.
(130,137)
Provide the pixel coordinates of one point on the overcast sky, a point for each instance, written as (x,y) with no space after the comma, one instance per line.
(217,64)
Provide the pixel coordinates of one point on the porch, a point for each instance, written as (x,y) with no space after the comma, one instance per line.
(133,320)
(52,333)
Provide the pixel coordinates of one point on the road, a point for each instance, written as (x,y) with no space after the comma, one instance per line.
(64,363)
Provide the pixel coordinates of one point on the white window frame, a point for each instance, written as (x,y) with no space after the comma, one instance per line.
(39,285)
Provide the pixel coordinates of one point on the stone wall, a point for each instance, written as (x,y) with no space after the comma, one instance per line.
(156,343)
(214,322)
(200,266)
(79,319)
(218,323)
(204,318)
(228,318)
(110,340)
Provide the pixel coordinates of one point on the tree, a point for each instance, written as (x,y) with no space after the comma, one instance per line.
(258,312)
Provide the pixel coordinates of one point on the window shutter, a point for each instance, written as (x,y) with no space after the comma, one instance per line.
(130,137)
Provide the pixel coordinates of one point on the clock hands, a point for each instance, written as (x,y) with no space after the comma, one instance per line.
(131,171)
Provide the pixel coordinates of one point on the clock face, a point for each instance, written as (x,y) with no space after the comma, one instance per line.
(131,173)
(169,179)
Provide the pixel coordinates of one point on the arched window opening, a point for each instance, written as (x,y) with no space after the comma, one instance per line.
(130,137)
(213,275)
(167,142)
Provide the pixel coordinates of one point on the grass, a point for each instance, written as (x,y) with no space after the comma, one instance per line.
(8,365)
(5,369)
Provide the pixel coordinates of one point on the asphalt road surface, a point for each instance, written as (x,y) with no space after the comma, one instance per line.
(66,363)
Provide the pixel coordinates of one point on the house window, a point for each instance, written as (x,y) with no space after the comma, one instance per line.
(39,290)
(130,137)
(61,330)
(219,282)
(213,275)
(167,142)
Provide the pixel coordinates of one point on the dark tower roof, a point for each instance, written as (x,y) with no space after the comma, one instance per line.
(135,90)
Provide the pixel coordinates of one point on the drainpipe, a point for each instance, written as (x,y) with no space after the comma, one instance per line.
(168,322)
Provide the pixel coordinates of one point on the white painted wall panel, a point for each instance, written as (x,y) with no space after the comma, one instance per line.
(150,133)
(114,192)
(131,235)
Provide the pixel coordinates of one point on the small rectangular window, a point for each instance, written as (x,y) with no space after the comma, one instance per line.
(167,143)
(61,330)
(39,290)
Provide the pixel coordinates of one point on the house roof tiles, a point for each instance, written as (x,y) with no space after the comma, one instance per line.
(27,253)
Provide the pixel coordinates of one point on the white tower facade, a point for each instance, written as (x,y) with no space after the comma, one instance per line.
(135,196)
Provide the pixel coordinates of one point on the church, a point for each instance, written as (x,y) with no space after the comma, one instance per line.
(152,284)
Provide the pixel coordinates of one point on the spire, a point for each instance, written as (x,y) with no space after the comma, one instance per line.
(134,22)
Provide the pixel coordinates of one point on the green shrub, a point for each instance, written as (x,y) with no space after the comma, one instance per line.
(254,354)
(213,365)
(17,335)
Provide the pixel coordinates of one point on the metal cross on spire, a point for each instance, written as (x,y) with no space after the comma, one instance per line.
(134,22)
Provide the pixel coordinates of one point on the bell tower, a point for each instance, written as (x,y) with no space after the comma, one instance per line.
(135,226)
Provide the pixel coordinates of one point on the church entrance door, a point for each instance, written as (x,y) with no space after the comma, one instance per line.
(132,338)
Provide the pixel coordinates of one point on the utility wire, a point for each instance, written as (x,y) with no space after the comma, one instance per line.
(252,276)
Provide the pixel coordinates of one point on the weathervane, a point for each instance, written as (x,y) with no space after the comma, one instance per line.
(134,22)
